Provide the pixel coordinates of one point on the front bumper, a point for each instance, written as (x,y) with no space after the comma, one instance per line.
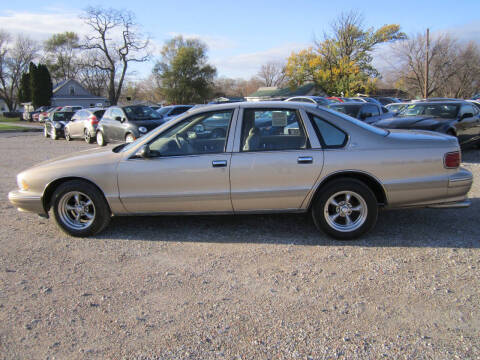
(24,201)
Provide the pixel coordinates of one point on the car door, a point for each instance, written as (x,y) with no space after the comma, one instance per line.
(118,125)
(188,171)
(467,127)
(273,166)
(76,124)
(369,113)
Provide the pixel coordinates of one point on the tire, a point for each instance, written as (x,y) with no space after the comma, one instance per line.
(100,139)
(45,132)
(87,137)
(129,138)
(67,135)
(80,209)
(341,201)
(53,133)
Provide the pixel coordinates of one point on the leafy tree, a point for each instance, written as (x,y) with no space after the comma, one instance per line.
(41,85)
(24,93)
(114,42)
(62,55)
(341,64)
(183,72)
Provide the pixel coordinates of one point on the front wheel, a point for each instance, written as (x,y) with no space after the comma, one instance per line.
(129,138)
(53,134)
(67,135)
(80,208)
(100,139)
(87,136)
(45,132)
(345,209)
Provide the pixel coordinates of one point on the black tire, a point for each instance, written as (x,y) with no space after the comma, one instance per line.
(67,135)
(87,137)
(53,133)
(101,210)
(45,132)
(362,197)
(100,139)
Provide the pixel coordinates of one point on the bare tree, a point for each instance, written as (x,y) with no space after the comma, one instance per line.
(14,60)
(272,74)
(118,42)
(410,56)
(95,79)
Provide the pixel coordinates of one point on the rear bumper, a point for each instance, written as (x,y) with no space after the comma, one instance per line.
(27,202)
(459,184)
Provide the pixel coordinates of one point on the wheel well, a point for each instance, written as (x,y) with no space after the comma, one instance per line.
(48,193)
(368,180)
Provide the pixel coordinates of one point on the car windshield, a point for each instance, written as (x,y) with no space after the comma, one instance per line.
(140,113)
(164,110)
(446,111)
(346,109)
(62,116)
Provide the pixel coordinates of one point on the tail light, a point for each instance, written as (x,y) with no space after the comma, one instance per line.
(452,160)
(93,119)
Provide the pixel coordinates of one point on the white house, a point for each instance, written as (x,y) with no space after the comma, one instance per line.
(71,92)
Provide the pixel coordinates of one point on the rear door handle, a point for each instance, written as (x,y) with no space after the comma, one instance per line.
(219,163)
(304,160)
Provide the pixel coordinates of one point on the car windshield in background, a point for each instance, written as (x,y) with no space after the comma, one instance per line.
(446,111)
(140,113)
(348,109)
(63,116)
(164,110)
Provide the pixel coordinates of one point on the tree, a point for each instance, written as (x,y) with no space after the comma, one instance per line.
(116,42)
(272,74)
(183,72)
(454,69)
(62,55)
(24,93)
(14,59)
(41,85)
(341,64)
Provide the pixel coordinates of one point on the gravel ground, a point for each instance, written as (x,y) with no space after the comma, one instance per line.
(236,287)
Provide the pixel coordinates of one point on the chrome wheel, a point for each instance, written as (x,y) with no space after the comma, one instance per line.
(129,138)
(76,210)
(100,139)
(87,137)
(345,211)
(45,132)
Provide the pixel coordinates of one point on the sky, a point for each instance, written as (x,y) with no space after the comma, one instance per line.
(243,35)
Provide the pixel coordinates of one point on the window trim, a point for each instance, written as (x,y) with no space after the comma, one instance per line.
(320,137)
(242,123)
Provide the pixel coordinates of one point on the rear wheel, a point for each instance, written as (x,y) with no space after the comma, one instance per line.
(87,136)
(45,132)
(345,209)
(53,133)
(80,208)
(100,139)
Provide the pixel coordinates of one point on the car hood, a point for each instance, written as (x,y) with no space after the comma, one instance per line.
(410,122)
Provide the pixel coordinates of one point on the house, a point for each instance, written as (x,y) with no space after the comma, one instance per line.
(71,92)
(274,93)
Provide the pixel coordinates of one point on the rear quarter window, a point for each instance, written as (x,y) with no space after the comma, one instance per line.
(329,135)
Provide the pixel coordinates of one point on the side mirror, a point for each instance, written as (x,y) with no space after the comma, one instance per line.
(144,152)
(118,118)
(466,115)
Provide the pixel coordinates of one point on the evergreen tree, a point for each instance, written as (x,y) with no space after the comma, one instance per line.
(24,93)
(41,85)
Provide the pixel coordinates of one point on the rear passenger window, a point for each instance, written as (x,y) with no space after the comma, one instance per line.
(274,129)
(329,135)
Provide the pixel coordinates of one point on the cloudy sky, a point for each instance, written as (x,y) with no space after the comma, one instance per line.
(243,35)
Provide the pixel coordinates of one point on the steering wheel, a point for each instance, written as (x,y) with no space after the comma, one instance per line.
(181,141)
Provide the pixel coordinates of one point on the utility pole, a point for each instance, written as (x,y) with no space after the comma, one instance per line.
(425,92)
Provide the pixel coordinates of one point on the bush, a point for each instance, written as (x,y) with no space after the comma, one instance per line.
(12,114)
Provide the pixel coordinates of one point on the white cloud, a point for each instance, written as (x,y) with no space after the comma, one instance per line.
(40,26)
(248,64)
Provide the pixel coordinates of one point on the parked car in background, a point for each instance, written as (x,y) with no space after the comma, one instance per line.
(335,99)
(42,116)
(126,123)
(169,112)
(71,108)
(83,124)
(396,107)
(366,99)
(367,112)
(55,124)
(338,168)
(319,100)
(456,118)
(29,115)
(384,100)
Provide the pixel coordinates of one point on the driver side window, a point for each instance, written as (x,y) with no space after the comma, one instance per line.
(204,133)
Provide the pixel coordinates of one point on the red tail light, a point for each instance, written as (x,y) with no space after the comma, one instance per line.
(452,160)
(93,119)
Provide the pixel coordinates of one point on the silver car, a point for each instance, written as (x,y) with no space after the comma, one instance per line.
(84,124)
(252,158)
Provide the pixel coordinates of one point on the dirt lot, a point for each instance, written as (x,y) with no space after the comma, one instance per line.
(249,287)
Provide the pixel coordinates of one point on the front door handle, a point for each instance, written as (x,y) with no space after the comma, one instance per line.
(219,163)
(305,160)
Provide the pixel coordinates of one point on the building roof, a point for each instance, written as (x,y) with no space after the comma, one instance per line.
(272,92)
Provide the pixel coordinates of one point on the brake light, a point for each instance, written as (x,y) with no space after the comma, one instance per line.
(93,119)
(452,160)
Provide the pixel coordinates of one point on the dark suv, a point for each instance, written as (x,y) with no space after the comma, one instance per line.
(367,112)
(126,123)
